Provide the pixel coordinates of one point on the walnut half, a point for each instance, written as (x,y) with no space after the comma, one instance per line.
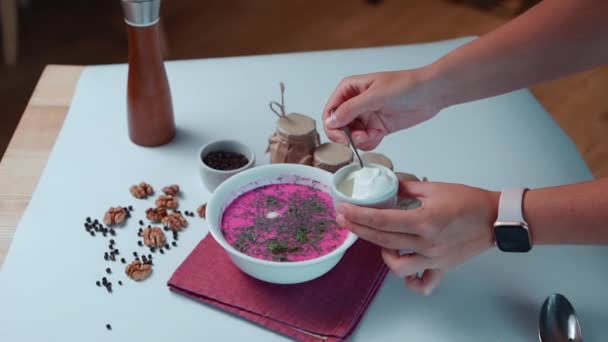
(166,201)
(115,215)
(141,190)
(202,211)
(154,237)
(175,221)
(171,190)
(156,214)
(138,271)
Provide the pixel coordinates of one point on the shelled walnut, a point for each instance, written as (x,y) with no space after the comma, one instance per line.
(138,271)
(202,211)
(175,221)
(114,216)
(154,237)
(141,190)
(166,201)
(156,214)
(171,190)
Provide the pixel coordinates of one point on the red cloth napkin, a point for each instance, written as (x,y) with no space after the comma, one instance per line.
(327,308)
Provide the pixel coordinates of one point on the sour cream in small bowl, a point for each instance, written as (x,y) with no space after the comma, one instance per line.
(373,186)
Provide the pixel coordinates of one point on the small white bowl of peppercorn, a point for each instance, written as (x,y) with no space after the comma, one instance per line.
(222,159)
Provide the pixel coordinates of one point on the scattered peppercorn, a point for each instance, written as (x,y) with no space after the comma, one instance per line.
(120,283)
(135,254)
(161,251)
(141,222)
(174,244)
(92,233)
(139,243)
(123,260)
(106,256)
(108,271)
(98,283)
(130,208)
(108,326)
(88,219)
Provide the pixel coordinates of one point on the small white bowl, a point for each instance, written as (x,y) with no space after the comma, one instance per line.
(387,200)
(211,177)
(273,271)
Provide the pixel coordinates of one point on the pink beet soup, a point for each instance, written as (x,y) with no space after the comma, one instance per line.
(283,222)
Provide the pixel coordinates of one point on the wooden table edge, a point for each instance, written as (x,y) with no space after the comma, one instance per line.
(54,92)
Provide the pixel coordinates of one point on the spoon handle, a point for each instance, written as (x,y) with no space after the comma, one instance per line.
(352,145)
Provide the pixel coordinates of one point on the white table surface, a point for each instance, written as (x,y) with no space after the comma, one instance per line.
(47,290)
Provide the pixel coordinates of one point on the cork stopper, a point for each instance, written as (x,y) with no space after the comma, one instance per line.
(296,125)
(332,156)
(377,158)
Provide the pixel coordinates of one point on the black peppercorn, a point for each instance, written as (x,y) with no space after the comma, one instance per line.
(108,326)
(92,233)
(98,283)
(120,283)
(141,222)
(130,208)
(225,160)
(88,219)
(123,260)
(108,271)
(139,243)
(174,244)
(135,254)
(161,251)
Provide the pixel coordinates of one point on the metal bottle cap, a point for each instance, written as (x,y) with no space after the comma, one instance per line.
(141,13)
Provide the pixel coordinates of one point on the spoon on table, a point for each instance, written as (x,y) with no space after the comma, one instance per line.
(558,321)
(352,145)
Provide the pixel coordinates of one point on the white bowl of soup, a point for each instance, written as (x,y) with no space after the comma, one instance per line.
(277,223)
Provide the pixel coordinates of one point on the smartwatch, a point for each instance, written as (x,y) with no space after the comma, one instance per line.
(511,233)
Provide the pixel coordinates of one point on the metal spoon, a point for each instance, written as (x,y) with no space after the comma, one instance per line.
(558,321)
(352,145)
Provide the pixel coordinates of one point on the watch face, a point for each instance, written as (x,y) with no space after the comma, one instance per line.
(512,238)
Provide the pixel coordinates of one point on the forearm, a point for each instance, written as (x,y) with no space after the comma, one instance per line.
(555,38)
(569,214)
